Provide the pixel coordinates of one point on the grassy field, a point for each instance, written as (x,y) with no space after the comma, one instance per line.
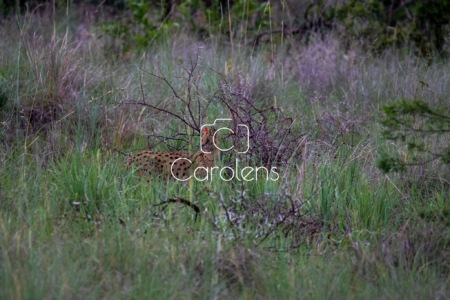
(74,224)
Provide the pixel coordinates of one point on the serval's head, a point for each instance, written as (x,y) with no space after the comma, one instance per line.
(207,140)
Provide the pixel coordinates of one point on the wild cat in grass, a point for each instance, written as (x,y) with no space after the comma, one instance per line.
(180,164)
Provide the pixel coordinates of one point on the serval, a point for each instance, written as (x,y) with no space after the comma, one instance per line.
(180,164)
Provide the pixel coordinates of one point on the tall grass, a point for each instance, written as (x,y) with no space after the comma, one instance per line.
(74,224)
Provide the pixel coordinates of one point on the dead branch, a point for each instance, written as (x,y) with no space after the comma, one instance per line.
(182,201)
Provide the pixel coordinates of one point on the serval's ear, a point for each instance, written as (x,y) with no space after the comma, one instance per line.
(204,131)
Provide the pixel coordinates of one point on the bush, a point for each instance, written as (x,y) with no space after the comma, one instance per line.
(385,22)
(422,128)
(149,21)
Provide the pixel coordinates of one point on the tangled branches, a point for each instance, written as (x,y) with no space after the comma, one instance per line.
(271,134)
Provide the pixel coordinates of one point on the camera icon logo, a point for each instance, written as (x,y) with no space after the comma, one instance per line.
(225,128)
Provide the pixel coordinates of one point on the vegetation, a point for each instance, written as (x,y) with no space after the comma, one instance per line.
(415,123)
(394,22)
(79,92)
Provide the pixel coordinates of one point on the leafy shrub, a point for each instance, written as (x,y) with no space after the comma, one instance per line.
(148,21)
(386,22)
(138,30)
(418,125)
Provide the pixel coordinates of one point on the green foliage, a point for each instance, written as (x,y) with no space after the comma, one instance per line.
(146,25)
(139,30)
(141,11)
(118,31)
(3,98)
(7,7)
(384,22)
(86,186)
(416,124)
(438,215)
(244,9)
(333,227)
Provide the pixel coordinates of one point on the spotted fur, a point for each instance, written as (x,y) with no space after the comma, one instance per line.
(160,162)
